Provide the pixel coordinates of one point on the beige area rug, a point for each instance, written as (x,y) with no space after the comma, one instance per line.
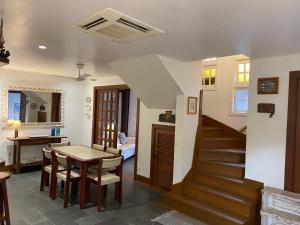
(175,218)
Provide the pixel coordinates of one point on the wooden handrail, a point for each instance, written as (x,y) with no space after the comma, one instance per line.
(243,130)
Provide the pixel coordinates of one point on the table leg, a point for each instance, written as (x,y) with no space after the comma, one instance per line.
(18,163)
(14,154)
(83,184)
(5,201)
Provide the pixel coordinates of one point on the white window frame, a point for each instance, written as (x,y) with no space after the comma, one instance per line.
(239,85)
(210,63)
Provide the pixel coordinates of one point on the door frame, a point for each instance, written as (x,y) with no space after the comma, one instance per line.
(291,132)
(119,87)
(152,161)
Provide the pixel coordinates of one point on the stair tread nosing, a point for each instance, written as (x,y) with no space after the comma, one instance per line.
(228,178)
(223,193)
(222,139)
(238,165)
(236,219)
(234,151)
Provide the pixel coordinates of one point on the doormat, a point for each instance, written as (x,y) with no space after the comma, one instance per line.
(175,218)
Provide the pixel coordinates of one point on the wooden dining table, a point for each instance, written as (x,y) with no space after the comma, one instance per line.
(86,156)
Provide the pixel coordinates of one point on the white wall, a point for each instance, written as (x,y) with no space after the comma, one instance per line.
(217,103)
(266,139)
(73,109)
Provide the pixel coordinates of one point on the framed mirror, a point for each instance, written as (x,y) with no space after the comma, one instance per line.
(34,107)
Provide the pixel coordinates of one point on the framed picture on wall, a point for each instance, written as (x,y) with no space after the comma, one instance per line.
(192,105)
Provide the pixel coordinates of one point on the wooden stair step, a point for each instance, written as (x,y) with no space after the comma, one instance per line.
(236,170)
(208,131)
(227,183)
(204,212)
(223,155)
(221,142)
(234,151)
(220,198)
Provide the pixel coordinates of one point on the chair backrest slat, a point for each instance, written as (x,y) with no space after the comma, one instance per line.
(112,162)
(98,147)
(47,153)
(62,160)
(51,145)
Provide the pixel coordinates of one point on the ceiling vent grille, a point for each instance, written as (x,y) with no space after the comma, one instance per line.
(117,26)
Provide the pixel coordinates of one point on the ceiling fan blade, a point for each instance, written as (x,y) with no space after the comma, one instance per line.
(79,78)
(85,75)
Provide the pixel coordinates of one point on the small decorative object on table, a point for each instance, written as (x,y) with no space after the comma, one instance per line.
(192,105)
(167,117)
(55,131)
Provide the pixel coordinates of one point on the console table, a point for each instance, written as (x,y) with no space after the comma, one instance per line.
(18,142)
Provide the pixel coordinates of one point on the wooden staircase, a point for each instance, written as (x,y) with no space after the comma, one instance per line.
(215,190)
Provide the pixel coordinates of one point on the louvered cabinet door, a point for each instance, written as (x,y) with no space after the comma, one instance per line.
(162,162)
(106,119)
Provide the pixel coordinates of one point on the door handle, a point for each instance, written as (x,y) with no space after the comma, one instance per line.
(156,151)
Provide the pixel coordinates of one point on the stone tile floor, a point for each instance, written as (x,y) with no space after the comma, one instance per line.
(29,206)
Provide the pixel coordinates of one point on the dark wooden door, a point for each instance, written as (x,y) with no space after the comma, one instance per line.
(292,163)
(162,157)
(106,117)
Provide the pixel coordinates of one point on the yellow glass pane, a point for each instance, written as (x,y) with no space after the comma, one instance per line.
(241,68)
(247,77)
(213,73)
(207,72)
(247,67)
(241,78)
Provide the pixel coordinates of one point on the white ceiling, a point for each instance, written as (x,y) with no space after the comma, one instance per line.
(195,29)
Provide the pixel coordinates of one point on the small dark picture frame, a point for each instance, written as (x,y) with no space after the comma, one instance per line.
(192,105)
(268,86)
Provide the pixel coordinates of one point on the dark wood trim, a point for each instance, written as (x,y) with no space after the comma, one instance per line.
(125,110)
(110,87)
(137,132)
(142,179)
(291,131)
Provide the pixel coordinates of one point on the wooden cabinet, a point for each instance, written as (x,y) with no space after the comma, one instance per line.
(162,156)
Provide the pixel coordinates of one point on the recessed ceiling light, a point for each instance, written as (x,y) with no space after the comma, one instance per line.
(43,47)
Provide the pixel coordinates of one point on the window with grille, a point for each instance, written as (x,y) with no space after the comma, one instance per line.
(241,87)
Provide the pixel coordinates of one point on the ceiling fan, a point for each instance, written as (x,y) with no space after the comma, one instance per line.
(82,77)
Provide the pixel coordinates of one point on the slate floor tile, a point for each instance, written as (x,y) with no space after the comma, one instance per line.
(29,206)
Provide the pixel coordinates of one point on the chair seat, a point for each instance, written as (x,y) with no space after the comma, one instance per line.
(48,168)
(94,169)
(63,174)
(106,178)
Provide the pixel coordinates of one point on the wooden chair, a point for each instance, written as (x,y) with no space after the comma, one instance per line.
(98,147)
(52,145)
(4,208)
(68,176)
(104,178)
(114,151)
(47,170)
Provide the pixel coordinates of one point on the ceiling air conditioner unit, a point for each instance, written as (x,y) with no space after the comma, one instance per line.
(117,26)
